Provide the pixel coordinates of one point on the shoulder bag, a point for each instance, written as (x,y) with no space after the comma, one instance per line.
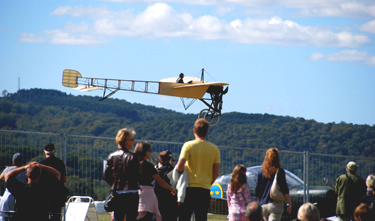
(110,201)
(275,192)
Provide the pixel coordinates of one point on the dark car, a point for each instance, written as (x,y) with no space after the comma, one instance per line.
(321,196)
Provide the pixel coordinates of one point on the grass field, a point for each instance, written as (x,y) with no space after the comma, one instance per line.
(211,217)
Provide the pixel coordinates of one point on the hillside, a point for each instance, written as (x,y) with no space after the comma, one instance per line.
(54,111)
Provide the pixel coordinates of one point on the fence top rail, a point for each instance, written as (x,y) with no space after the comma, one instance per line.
(340,156)
(30,132)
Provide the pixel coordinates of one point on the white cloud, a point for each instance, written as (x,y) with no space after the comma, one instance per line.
(162,21)
(222,10)
(31,38)
(342,9)
(368,27)
(308,8)
(316,56)
(79,11)
(355,56)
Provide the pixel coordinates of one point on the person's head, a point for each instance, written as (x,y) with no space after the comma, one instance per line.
(49,149)
(238,178)
(254,211)
(125,138)
(351,167)
(370,181)
(271,162)
(363,213)
(17,159)
(143,149)
(308,212)
(181,75)
(33,172)
(164,157)
(201,127)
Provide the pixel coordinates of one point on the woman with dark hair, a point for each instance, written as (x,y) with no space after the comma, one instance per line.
(272,210)
(148,202)
(238,194)
(128,183)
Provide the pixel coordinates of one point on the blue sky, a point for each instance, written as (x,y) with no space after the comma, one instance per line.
(298,58)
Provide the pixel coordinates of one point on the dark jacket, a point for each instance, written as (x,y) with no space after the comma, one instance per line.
(131,171)
(350,189)
(263,187)
(31,199)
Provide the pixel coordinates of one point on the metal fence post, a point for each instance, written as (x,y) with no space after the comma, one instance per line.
(63,158)
(307,177)
(304,176)
(63,147)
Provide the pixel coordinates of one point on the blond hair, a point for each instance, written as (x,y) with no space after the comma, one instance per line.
(123,135)
(308,212)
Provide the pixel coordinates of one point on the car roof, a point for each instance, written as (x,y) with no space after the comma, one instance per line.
(252,176)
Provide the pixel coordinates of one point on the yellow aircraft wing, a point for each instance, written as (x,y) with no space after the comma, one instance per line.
(195,91)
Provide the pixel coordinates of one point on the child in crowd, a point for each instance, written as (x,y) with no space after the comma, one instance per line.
(238,194)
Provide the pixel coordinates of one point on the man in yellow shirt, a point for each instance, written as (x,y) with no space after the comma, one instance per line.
(201,159)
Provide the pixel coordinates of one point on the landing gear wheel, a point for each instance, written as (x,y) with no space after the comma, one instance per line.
(202,113)
(212,117)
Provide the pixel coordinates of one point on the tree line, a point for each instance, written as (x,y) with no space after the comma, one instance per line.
(46,110)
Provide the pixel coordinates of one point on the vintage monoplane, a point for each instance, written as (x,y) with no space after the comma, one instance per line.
(210,93)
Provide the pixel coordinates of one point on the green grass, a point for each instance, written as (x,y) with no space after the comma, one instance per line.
(104,217)
(211,217)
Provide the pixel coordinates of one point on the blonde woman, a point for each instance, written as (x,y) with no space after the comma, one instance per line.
(128,184)
(272,210)
(238,194)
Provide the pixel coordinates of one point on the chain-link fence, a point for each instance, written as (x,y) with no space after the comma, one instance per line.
(84,159)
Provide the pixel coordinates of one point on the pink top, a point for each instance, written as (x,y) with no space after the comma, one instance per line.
(237,202)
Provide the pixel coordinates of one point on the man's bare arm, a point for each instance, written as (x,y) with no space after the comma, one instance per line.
(15,172)
(50,170)
(181,165)
(215,172)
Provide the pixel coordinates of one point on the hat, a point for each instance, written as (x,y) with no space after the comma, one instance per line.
(352,166)
(49,147)
(17,157)
(164,156)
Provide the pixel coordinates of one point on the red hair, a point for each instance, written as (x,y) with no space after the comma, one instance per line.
(271,162)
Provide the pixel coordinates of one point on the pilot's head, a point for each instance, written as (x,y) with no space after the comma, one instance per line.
(181,75)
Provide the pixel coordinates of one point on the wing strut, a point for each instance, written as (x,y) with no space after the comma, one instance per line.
(187,105)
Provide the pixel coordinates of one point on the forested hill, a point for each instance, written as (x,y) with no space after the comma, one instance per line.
(54,111)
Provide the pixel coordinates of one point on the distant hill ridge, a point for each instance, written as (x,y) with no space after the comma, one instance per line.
(48,110)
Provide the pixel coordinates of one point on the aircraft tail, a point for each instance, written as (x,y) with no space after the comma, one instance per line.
(70,78)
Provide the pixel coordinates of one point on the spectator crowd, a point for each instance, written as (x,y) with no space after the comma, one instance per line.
(172,190)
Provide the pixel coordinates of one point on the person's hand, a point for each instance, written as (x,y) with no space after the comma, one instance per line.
(36,164)
(173,192)
(289,209)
